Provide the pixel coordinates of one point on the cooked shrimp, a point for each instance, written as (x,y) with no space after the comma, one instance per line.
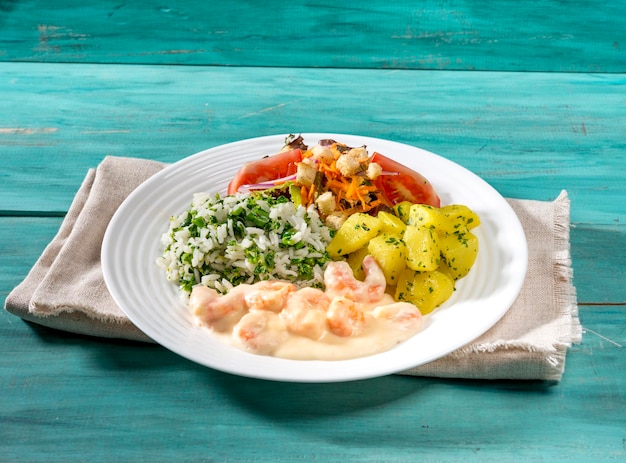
(344,318)
(403,314)
(260,332)
(305,312)
(208,305)
(269,295)
(339,280)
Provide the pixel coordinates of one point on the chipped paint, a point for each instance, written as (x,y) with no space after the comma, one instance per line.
(48,33)
(26,131)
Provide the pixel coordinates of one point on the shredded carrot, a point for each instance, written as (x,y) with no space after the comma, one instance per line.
(311,195)
(337,185)
(375,203)
(352,194)
(339,197)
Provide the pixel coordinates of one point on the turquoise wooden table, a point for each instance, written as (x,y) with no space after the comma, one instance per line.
(531,96)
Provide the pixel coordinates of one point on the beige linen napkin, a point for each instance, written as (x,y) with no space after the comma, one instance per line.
(65,288)
(531,340)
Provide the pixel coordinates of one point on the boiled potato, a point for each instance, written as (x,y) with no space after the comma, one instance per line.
(427,290)
(456,216)
(422,248)
(422,215)
(389,251)
(391,223)
(401,210)
(355,233)
(355,261)
(459,251)
(443,268)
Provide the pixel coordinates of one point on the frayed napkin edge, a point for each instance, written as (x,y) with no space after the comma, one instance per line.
(82,323)
(564,273)
(566,298)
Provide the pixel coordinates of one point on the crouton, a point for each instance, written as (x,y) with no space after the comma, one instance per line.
(358,153)
(322,154)
(336,220)
(374,170)
(348,166)
(306,172)
(326,203)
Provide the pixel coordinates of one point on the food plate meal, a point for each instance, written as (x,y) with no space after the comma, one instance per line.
(198,256)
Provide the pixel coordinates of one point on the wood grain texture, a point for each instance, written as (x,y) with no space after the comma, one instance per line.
(528,134)
(599,257)
(545,35)
(73,398)
(159,80)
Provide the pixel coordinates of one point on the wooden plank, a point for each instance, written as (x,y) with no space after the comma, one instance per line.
(72,398)
(598,258)
(117,400)
(22,240)
(528,134)
(113,400)
(579,36)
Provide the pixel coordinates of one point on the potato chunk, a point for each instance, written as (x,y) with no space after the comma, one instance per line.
(422,215)
(456,216)
(391,224)
(426,290)
(402,210)
(354,234)
(389,251)
(355,261)
(422,248)
(459,250)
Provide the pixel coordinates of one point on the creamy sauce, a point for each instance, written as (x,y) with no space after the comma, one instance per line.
(349,319)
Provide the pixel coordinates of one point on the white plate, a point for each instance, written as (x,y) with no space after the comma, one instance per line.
(132,244)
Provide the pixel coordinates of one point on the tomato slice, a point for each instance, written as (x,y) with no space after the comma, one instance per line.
(268,168)
(408,185)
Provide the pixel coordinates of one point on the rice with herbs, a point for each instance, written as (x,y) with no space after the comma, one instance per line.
(244,238)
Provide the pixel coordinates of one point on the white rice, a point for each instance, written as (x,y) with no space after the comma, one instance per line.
(218,242)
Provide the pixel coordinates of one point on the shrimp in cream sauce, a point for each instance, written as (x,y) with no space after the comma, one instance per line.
(269,295)
(260,332)
(305,312)
(344,317)
(340,281)
(349,319)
